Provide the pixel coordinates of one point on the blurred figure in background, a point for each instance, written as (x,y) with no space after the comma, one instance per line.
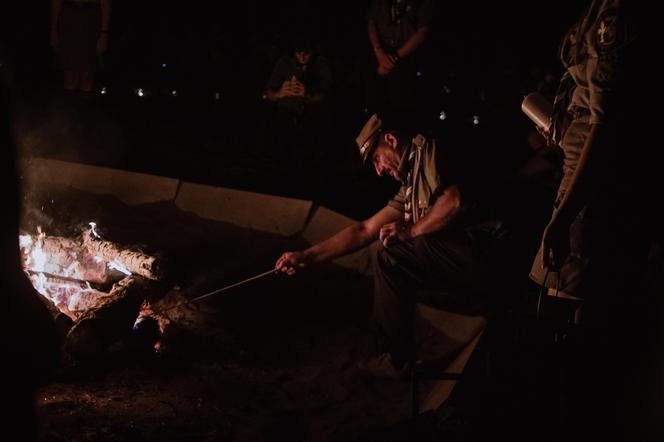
(299,86)
(397,30)
(79,36)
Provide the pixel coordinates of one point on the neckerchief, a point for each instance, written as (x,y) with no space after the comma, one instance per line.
(406,174)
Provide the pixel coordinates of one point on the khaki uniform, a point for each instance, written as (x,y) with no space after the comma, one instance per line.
(592,91)
(398,92)
(426,179)
(461,262)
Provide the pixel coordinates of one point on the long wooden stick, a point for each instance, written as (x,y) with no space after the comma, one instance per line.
(223,289)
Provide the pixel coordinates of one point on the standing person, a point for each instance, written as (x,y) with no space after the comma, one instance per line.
(595,246)
(79,35)
(300,85)
(433,234)
(397,30)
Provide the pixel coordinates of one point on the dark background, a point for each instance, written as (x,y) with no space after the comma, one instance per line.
(483,58)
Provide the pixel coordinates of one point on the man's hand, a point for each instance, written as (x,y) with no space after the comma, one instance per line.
(543,131)
(555,245)
(383,71)
(291,88)
(394,232)
(291,262)
(385,61)
(297,88)
(286,90)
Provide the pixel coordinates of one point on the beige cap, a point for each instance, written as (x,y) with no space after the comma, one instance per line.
(368,137)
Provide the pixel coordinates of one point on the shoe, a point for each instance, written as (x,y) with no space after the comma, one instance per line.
(383,366)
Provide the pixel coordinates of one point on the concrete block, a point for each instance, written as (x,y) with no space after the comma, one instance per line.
(455,326)
(462,334)
(130,187)
(323,224)
(266,213)
(440,390)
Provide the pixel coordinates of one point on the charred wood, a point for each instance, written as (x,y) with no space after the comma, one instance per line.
(114,318)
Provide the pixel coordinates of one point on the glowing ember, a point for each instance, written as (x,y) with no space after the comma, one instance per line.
(116,265)
(61,269)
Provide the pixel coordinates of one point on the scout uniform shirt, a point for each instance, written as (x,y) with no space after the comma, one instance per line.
(397,20)
(422,182)
(594,91)
(592,52)
(431,173)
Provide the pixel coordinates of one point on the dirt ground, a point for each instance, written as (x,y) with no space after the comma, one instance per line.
(275,359)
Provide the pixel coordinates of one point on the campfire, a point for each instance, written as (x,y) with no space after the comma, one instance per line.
(103,287)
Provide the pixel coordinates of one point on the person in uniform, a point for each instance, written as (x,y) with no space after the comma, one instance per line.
(300,86)
(596,191)
(79,35)
(397,31)
(432,234)
(595,246)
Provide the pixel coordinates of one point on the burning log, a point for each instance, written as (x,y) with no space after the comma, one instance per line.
(62,251)
(61,256)
(135,262)
(69,296)
(103,325)
(58,281)
(61,269)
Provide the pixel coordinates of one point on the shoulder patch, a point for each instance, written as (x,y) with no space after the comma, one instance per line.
(607,29)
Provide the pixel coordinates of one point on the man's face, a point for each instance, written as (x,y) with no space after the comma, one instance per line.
(302,56)
(386,160)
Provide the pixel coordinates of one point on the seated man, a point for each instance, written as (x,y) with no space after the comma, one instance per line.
(299,86)
(433,235)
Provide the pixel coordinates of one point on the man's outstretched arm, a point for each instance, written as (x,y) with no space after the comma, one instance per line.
(346,241)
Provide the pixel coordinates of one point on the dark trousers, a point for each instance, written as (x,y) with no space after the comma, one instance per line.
(395,94)
(291,133)
(461,266)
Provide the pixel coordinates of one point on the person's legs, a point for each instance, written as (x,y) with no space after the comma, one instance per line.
(315,134)
(375,90)
(72,79)
(442,260)
(401,93)
(78,31)
(394,301)
(276,137)
(86,81)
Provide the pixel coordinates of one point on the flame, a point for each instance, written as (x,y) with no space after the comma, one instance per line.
(35,259)
(50,278)
(93,229)
(59,269)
